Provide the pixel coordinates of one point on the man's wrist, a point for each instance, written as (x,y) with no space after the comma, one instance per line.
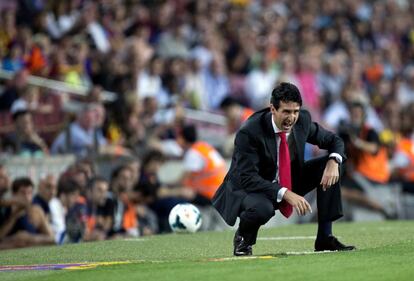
(334,160)
(281,193)
(336,157)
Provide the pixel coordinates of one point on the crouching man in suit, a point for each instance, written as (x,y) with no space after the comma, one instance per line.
(268,172)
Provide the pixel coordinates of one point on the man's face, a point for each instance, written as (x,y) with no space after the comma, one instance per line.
(87,119)
(25,193)
(232,112)
(286,115)
(69,200)
(357,115)
(48,188)
(153,166)
(124,181)
(99,192)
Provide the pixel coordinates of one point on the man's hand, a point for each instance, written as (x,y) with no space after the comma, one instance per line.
(330,174)
(298,202)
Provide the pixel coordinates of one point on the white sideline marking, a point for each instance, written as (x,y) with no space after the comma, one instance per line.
(242,258)
(134,240)
(287,238)
(308,253)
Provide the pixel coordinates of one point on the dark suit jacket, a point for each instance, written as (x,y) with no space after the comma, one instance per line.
(254,161)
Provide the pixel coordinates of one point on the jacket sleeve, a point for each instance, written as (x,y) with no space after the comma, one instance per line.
(325,139)
(247,157)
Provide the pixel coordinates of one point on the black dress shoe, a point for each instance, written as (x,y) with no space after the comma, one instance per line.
(330,243)
(241,247)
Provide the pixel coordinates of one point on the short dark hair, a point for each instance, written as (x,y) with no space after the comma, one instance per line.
(227,102)
(285,92)
(21,182)
(153,155)
(94,180)
(67,186)
(189,133)
(117,171)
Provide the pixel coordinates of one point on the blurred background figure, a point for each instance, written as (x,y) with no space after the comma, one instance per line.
(204,171)
(25,224)
(159,197)
(46,191)
(236,115)
(368,165)
(123,203)
(25,140)
(68,221)
(4,190)
(81,137)
(99,214)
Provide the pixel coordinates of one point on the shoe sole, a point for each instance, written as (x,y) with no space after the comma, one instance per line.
(239,254)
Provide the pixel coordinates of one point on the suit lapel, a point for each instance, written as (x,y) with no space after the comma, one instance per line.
(293,146)
(269,137)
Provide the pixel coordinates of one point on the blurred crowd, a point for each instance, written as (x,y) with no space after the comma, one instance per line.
(352,60)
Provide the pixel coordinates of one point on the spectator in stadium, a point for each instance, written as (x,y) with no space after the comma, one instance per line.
(133,128)
(149,82)
(259,82)
(332,78)
(204,170)
(216,83)
(24,224)
(368,159)
(123,202)
(172,43)
(236,115)
(266,175)
(80,137)
(68,218)
(7,29)
(159,197)
(29,101)
(13,90)
(195,90)
(99,214)
(76,176)
(405,92)
(134,164)
(80,174)
(403,159)
(13,61)
(25,140)
(47,190)
(4,190)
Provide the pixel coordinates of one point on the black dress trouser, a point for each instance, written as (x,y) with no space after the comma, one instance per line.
(257,209)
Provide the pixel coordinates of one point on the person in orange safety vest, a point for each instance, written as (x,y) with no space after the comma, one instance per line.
(204,167)
(367,157)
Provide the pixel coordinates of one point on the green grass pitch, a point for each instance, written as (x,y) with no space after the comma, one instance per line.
(385,252)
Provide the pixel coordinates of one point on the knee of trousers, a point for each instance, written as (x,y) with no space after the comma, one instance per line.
(259,214)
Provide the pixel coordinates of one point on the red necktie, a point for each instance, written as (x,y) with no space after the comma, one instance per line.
(284,173)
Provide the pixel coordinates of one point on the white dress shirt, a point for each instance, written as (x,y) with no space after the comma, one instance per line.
(283,190)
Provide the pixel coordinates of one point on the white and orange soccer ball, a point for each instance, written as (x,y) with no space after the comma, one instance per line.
(185,218)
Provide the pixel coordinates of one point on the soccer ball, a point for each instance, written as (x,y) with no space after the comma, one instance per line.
(185,218)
